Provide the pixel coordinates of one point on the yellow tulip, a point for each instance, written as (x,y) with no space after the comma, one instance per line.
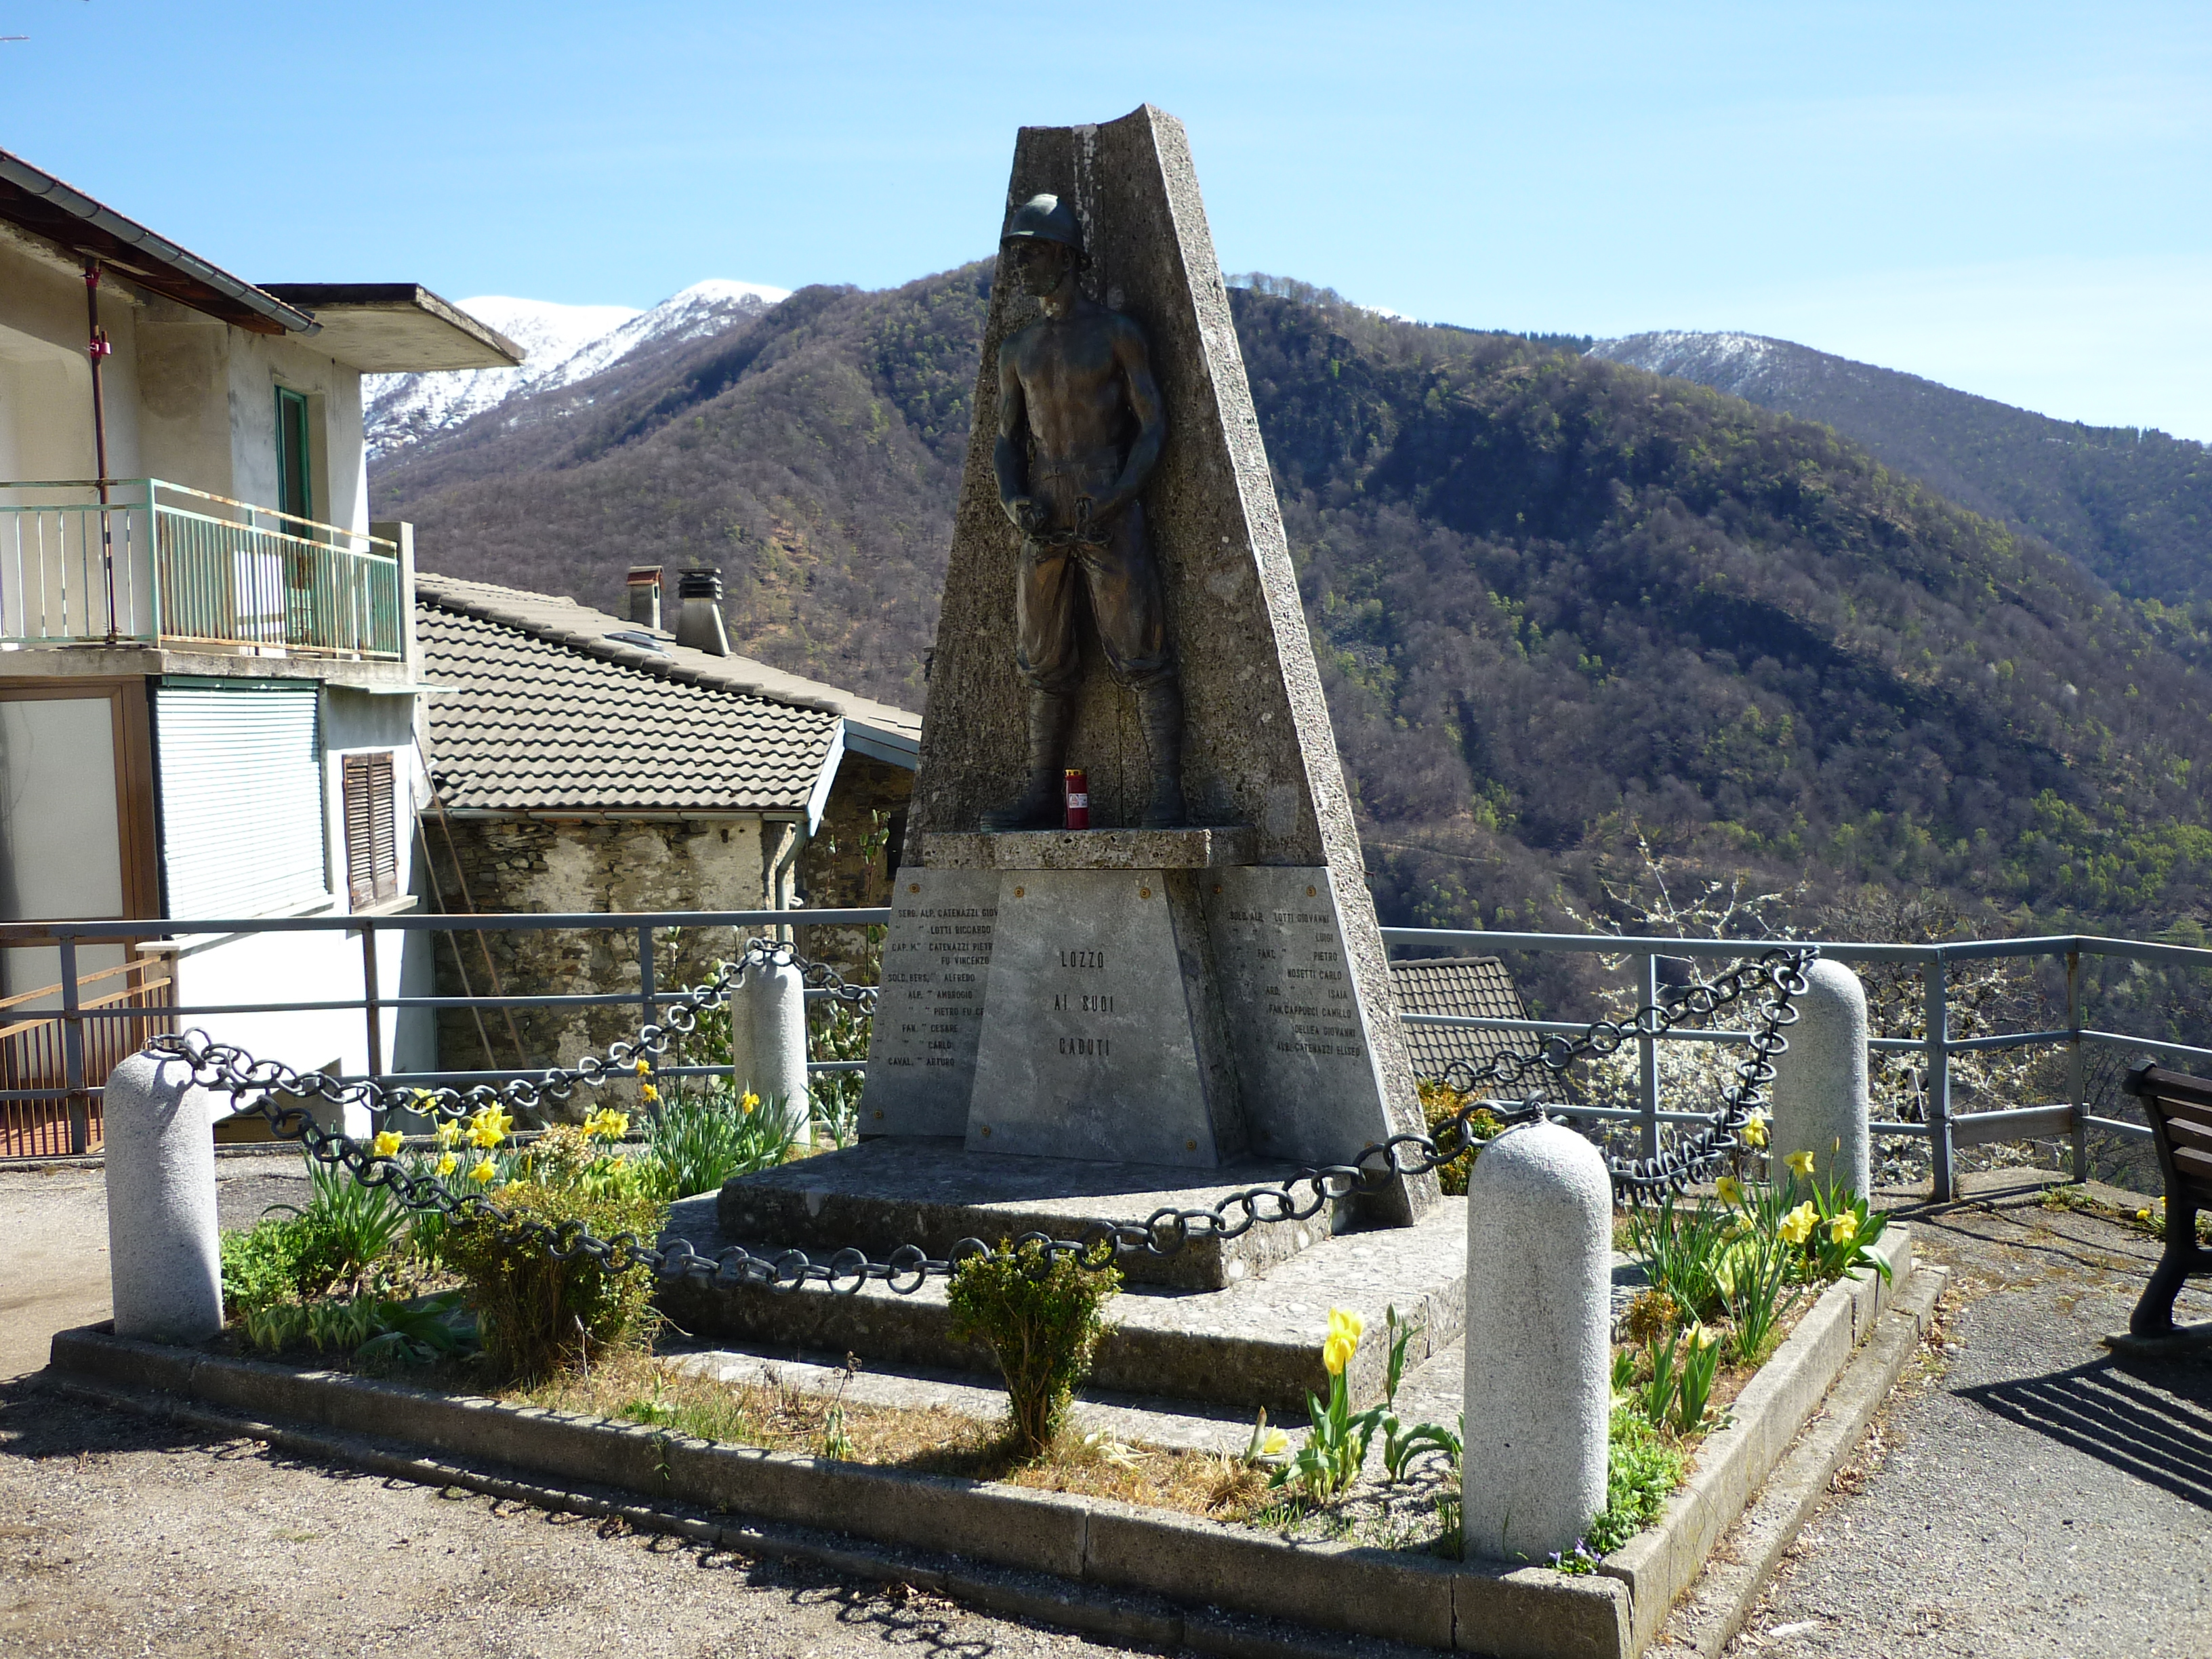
(1344,1322)
(484,1171)
(1844,1227)
(387,1144)
(1730,1190)
(1336,1353)
(448,1164)
(1754,1132)
(1801,1163)
(1798,1226)
(1275,1443)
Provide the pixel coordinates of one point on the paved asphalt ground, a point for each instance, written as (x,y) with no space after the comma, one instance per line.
(2022,1495)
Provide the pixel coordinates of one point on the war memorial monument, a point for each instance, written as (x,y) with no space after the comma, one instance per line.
(1191,996)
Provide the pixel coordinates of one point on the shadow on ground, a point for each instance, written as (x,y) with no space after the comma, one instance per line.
(2153,1422)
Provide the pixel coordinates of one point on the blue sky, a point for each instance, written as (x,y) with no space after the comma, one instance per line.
(2013,199)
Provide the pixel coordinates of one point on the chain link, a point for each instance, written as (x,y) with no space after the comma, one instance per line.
(1774,980)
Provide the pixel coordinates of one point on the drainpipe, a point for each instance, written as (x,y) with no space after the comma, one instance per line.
(97,348)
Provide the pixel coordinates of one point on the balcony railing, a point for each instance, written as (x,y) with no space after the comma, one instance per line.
(161,564)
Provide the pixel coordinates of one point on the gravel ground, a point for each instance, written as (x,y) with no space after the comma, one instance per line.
(127,1536)
(2026,1494)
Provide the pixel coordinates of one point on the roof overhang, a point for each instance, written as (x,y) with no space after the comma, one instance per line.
(38,202)
(882,743)
(396,328)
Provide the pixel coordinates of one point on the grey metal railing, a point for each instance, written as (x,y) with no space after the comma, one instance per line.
(1946,1132)
(158,563)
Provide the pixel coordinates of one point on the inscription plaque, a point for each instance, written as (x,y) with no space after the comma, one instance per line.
(1105,1039)
(937,967)
(1296,1015)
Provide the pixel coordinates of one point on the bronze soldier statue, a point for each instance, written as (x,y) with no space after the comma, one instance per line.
(1080,425)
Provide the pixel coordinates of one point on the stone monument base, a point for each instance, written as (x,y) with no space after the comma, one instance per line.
(1256,1342)
(934,1193)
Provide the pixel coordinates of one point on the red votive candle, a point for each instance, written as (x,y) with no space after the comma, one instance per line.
(1078,799)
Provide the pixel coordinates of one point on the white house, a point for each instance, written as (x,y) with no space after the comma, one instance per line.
(208,686)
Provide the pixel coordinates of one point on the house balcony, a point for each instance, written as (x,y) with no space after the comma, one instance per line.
(158,564)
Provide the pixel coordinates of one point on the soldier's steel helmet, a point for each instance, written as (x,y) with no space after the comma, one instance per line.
(1044,219)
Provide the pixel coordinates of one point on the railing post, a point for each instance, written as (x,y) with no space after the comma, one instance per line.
(372,1001)
(78,1103)
(1943,1181)
(647,981)
(1647,1060)
(2075,1087)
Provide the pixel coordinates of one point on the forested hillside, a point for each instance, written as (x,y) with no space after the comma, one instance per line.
(1559,603)
(2132,505)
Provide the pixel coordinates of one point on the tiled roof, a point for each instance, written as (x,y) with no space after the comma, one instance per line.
(1476,987)
(549,719)
(549,617)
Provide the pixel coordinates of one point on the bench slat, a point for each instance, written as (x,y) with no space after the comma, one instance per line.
(2186,1131)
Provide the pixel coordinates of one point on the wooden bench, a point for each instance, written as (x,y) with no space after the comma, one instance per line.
(2180,1108)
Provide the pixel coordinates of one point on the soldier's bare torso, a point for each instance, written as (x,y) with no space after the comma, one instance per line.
(1074,374)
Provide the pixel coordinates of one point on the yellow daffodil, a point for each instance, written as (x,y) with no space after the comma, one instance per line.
(1344,1328)
(448,1164)
(750,1101)
(1700,1336)
(1801,1164)
(644,1068)
(608,1125)
(1798,1226)
(1754,1132)
(387,1144)
(1843,1226)
(1730,1190)
(648,1092)
(484,1171)
(449,1131)
(488,1128)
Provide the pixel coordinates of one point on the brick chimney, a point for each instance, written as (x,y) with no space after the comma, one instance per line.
(645,595)
(699,622)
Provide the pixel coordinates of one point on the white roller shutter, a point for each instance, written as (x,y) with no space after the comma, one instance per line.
(241,798)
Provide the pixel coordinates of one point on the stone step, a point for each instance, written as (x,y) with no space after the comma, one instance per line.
(1256,1342)
(932,1193)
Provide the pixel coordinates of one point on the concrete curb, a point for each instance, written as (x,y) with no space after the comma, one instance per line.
(1716,1606)
(1205,1569)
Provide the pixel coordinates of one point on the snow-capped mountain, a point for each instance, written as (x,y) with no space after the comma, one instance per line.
(564,343)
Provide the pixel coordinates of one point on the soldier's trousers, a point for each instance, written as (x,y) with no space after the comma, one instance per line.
(1115,575)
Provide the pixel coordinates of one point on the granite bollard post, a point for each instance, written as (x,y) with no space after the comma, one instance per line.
(1821,1103)
(165,1262)
(1539,1328)
(767,1040)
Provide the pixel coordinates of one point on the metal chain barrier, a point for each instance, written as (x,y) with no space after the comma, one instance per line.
(1773,981)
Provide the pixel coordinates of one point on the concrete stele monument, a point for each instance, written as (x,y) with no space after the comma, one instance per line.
(1173,986)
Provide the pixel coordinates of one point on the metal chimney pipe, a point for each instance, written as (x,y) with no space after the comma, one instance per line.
(699,622)
(645,595)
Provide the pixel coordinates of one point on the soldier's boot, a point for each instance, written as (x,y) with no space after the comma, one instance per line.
(1159,710)
(1041,802)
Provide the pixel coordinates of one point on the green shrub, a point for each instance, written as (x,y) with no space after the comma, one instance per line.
(1039,1313)
(346,1233)
(538,1315)
(1440,1105)
(264,1265)
(1641,1470)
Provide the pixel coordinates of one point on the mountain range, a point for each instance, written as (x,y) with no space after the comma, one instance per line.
(565,343)
(1565,607)
(2132,505)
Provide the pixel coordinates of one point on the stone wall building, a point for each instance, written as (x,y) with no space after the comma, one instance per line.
(587,762)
